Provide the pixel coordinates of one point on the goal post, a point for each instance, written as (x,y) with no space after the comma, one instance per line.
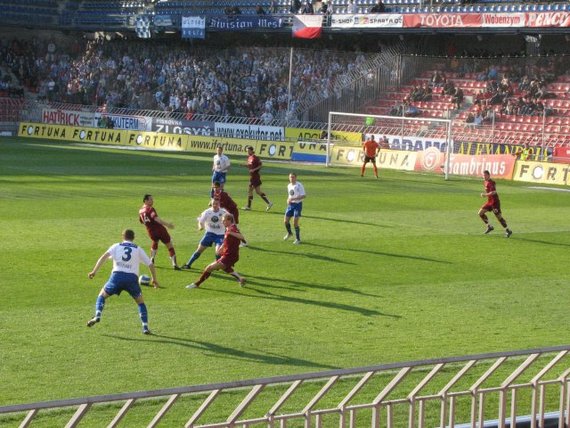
(347,131)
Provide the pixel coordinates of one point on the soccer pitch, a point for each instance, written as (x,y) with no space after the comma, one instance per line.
(390,270)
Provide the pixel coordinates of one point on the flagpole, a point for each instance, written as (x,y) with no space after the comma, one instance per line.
(289,87)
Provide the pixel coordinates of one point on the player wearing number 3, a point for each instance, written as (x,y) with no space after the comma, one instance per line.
(296,194)
(126,259)
(371,149)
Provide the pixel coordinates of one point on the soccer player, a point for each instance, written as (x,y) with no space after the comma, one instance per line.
(296,194)
(220,167)
(229,254)
(254,165)
(371,149)
(211,220)
(126,259)
(227,203)
(493,204)
(156,229)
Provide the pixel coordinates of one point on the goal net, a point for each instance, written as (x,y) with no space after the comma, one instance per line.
(408,143)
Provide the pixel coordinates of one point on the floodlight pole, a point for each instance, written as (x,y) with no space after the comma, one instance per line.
(289,87)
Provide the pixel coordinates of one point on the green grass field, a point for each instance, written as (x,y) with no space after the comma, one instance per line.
(390,270)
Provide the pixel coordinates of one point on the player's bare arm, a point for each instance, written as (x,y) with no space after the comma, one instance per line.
(99,263)
(164,222)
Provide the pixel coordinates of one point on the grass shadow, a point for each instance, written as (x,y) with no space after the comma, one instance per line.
(219,351)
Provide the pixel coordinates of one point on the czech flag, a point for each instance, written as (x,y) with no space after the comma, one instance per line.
(307,26)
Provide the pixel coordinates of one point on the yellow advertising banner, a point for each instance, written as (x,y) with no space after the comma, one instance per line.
(542,172)
(263,148)
(390,159)
(306,134)
(147,140)
(155,140)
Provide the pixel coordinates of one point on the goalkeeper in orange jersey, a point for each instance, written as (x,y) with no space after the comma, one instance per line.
(371,149)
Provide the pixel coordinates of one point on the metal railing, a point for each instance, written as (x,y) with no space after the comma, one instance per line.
(438,392)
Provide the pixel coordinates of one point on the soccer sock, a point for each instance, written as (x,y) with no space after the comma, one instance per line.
(503,223)
(171,252)
(362,170)
(173,260)
(235,275)
(484,218)
(99,305)
(298,232)
(249,199)
(143,313)
(205,275)
(375,170)
(153,253)
(265,199)
(288,227)
(193,258)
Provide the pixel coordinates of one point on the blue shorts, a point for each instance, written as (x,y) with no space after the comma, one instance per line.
(119,281)
(211,238)
(294,209)
(220,177)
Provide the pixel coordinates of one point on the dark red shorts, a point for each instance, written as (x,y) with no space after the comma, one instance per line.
(160,235)
(369,159)
(492,206)
(255,180)
(228,262)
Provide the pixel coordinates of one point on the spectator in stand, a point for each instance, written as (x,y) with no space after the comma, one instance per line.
(259,10)
(295,6)
(308,8)
(458,97)
(378,7)
(437,79)
(351,8)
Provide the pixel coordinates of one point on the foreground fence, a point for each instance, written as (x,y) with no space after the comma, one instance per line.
(440,392)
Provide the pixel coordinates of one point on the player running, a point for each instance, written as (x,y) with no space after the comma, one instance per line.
(229,254)
(493,204)
(220,167)
(211,220)
(227,203)
(156,229)
(254,165)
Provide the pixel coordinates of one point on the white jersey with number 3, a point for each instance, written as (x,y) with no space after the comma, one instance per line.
(127,257)
(212,221)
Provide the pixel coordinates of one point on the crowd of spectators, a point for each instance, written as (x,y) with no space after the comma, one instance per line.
(237,81)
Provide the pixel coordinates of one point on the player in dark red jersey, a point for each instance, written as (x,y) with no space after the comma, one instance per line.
(229,254)
(156,229)
(227,203)
(254,165)
(371,149)
(493,204)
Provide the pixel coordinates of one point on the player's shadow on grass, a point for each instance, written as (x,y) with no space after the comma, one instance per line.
(219,351)
(264,294)
(341,220)
(539,241)
(313,256)
(379,253)
(295,285)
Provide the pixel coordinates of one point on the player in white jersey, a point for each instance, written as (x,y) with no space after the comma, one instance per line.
(126,258)
(295,196)
(220,167)
(211,220)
